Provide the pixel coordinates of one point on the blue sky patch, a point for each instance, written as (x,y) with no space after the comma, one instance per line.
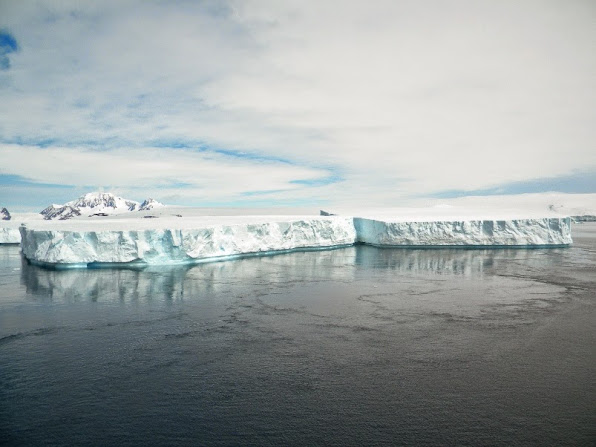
(577,183)
(262,193)
(323,181)
(251,156)
(17,180)
(8,44)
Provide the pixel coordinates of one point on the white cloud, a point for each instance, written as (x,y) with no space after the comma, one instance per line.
(212,176)
(400,97)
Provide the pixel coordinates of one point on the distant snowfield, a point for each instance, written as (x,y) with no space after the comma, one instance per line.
(180,235)
(466,208)
(562,204)
(485,207)
(189,218)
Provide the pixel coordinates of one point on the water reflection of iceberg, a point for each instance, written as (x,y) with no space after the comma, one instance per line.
(105,285)
(182,282)
(448,261)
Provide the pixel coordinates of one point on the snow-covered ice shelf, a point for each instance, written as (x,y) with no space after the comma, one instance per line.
(9,229)
(196,240)
(170,239)
(10,235)
(490,232)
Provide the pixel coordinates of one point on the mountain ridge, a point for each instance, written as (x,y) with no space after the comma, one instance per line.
(100,203)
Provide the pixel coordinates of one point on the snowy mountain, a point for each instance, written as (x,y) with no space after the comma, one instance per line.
(102,201)
(96,203)
(149,204)
(4,214)
(62,212)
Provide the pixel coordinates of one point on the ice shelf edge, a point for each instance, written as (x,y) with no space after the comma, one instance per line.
(88,249)
(10,236)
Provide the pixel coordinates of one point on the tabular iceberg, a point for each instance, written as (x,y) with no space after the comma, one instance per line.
(9,235)
(84,244)
(514,232)
(178,246)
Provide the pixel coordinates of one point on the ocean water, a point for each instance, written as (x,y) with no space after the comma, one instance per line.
(349,347)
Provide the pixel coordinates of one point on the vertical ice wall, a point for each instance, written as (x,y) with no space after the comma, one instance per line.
(171,246)
(515,232)
(168,246)
(9,235)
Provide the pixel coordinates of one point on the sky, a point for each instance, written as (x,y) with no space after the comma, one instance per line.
(297,103)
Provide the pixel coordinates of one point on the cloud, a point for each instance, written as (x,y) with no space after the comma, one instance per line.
(396,98)
(209,175)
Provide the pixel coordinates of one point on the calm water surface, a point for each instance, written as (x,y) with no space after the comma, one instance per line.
(355,346)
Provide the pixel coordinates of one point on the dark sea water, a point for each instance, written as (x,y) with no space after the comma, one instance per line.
(351,347)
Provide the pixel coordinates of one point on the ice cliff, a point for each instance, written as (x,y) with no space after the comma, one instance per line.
(513,232)
(179,246)
(78,244)
(9,235)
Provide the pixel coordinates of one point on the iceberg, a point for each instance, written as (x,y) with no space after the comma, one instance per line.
(513,232)
(9,235)
(170,239)
(98,229)
(204,241)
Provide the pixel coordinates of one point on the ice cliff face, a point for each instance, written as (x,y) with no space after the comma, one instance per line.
(584,218)
(515,232)
(203,243)
(9,235)
(96,203)
(170,246)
